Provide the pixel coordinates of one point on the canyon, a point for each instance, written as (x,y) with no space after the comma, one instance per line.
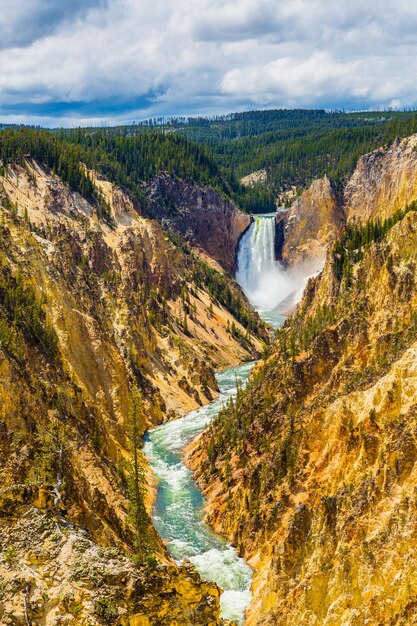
(91,309)
(116,312)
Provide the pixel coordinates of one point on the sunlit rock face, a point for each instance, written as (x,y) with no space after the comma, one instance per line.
(383,182)
(311,225)
(89,310)
(55,576)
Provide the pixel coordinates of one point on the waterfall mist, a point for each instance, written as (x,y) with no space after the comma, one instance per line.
(263,279)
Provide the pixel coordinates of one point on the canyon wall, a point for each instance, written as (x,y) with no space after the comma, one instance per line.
(312,472)
(96,304)
(55,574)
(310,225)
(201,215)
(383,182)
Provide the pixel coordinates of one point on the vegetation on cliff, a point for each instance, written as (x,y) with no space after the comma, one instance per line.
(22,315)
(127,160)
(350,247)
(109,324)
(332,305)
(106,327)
(294,147)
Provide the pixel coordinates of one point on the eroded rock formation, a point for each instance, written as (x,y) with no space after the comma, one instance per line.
(93,307)
(52,575)
(383,182)
(201,215)
(311,224)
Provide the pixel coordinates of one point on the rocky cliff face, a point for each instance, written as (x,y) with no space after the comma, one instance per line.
(89,311)
(383,182)
(54,575)
(201,215)
(310,225)
(312,472)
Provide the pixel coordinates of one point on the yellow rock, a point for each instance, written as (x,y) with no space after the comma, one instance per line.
(139,620)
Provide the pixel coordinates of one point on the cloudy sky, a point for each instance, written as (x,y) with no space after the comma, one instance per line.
(72,62)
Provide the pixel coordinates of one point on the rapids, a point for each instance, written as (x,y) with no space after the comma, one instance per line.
(178,511)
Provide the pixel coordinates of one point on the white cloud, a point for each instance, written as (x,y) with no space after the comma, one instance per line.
(131,58)
(294,78)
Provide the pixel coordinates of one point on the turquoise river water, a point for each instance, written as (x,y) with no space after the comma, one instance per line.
(178,510)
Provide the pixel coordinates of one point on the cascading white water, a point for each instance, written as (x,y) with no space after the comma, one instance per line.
(261,277)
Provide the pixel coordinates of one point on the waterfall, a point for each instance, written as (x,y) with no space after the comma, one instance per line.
(261,277)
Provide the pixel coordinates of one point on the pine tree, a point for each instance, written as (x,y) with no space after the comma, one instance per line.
(137,480)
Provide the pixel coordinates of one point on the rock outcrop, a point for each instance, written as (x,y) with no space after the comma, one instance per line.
(310,225)
(55,575)
(201,215)
(383,182)
(255,178)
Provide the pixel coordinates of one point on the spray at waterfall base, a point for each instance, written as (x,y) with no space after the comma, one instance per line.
(267,284)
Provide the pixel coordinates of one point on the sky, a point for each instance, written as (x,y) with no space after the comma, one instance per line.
(78,62)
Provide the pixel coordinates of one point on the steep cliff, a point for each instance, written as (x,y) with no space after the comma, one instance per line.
(54,575)
(98,306)
(312,472)
(310,225)
(200,214)
(383,182)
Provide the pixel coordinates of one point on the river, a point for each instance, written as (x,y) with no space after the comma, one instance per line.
(178,510)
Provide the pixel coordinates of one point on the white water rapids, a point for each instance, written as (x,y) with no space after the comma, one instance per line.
(178,512)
